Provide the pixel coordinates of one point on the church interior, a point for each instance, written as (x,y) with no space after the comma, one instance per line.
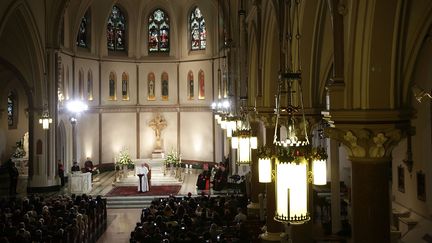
(302,119)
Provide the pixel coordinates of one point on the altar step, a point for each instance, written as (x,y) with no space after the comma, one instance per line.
(157,179)
(130,201)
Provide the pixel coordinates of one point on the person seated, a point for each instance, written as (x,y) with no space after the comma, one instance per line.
(75,167)
(88,165)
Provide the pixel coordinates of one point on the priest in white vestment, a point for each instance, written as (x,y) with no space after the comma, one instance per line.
(142,172)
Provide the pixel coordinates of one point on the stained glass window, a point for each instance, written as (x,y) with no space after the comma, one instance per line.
(190,85)
(158,31)
(201,85)
(90,85)
(12,109)
(116,30)
(83,36)
(197,30)
(125,86)
(151,86)
(165,90)
(112,86)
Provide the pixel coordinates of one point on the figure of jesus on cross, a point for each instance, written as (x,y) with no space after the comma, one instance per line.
(158,123)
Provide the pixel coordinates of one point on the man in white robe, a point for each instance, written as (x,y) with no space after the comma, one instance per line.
(142,174)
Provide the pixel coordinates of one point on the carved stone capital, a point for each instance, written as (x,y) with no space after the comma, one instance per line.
(367,142)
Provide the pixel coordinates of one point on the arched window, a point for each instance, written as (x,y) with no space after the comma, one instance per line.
(12,109)
(66,88)
(158,31)
(165,90)
(112,86)
(125,86)
(61,83)
(201,85)
(151,86)
(116,30)
(198,32)
(81,84)
(83,36)
(90,85)
(190,85)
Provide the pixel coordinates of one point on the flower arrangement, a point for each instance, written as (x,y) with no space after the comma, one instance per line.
(124,159)
(173,158)
(19,150)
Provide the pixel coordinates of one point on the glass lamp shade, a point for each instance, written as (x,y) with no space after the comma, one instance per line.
(217,116)
(292,192)
(264,170)
(319,169)
(244,144)
(234,142)
(223,123)
(45,121)
(230,127)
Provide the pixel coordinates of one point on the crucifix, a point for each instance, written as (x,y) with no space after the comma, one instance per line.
(158,123)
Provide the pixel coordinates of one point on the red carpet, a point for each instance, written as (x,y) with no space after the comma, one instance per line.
(154,191)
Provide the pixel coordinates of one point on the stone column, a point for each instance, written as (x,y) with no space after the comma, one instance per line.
(370,199)
(42,159)
(256,187)
(274,228)
(370,153)
(335,186)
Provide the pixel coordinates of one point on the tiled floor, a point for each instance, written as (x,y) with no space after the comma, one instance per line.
(120,224)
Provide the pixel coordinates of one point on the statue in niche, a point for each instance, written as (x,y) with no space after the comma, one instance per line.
(158,123)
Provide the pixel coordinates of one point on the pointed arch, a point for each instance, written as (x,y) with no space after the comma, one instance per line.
(151,86)
(201,85)
(165,86)
(197,30)
(61,83)
(81,84)
(84,31)
(116,29)
(89,85)
(112,86)
(125,86)
(67,83)
(12,109)
(190,85)
(158,31)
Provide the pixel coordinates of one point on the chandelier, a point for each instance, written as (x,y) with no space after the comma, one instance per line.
(293,149)
(242,138)
(45,119)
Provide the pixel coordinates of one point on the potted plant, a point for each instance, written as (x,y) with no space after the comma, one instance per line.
(172,158)
(125,161)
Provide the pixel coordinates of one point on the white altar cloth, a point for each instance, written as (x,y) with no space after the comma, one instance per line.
(80,182)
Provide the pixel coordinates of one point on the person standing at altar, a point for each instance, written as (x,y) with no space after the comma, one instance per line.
(75,167)
(142,172)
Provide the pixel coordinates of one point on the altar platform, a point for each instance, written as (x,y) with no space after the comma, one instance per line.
(158,178)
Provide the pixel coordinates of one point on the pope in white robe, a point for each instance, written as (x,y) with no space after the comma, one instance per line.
(142,170)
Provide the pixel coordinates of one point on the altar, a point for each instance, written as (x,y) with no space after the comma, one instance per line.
(80,182)
(159,177)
